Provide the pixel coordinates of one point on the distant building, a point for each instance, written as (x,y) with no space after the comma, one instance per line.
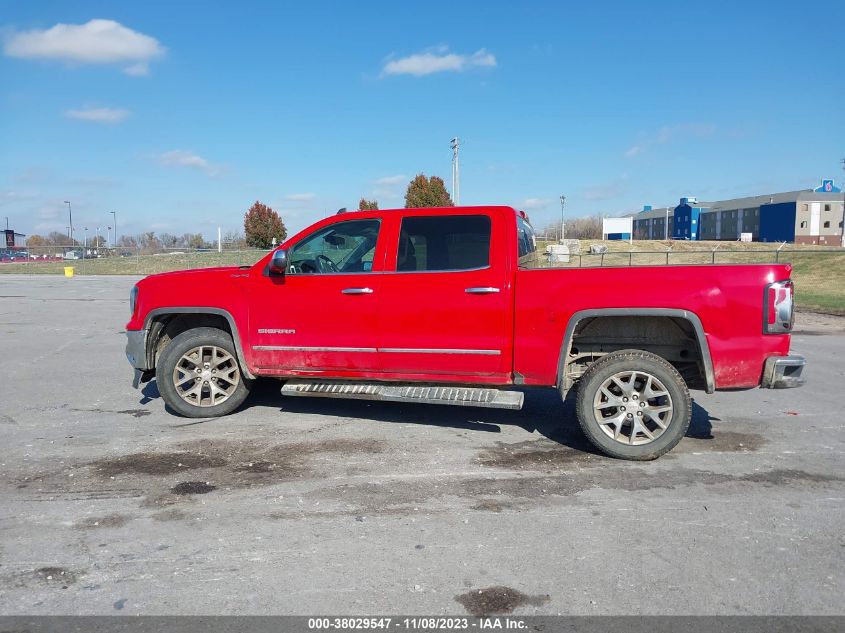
(13,240)
(809,216)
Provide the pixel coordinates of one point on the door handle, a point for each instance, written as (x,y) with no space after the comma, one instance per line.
(357,291)
(482,291)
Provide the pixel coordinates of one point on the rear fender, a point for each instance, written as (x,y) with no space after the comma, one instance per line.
(563,382)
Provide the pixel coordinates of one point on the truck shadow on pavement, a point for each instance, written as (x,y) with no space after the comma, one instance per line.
(542,413)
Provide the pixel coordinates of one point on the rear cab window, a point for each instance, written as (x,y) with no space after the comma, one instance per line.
(526,243)
(444,243)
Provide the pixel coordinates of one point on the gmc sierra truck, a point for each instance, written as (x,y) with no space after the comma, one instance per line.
(451,306)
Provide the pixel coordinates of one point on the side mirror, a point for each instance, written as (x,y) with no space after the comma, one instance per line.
(278,263)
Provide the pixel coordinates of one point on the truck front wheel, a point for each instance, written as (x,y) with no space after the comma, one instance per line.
(632,404)
(198,374)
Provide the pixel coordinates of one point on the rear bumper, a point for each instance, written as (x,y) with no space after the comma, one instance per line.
(783,372)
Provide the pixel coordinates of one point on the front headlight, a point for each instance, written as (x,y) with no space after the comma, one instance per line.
(133,297)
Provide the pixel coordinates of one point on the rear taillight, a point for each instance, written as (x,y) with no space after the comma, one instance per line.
(777,308)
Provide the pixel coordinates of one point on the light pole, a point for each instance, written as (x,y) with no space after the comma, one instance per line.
(114,215)
(562,223)
(109,240)
(70,220)
(97,243)
(456,176)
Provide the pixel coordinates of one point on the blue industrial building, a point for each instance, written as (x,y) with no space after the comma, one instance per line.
(687,220)
(808,216)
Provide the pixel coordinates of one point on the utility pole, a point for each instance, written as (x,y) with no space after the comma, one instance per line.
(562,223)
(456,176)
(114,214)
(70,221)
(843,212)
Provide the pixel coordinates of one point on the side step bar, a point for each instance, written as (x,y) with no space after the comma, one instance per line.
(398,392)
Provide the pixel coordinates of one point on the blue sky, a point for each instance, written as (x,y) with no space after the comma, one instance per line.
(178,115)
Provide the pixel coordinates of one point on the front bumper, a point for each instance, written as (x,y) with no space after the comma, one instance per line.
(136,354)
(783,372)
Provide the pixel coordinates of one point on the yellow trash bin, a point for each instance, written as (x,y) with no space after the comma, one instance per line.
(68,271)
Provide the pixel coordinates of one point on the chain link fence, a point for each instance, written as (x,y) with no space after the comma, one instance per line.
(819,274)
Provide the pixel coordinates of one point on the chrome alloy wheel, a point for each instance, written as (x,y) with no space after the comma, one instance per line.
(633,407)
(206,376)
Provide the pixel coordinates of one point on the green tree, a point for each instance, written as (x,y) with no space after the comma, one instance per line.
(194,240)
(261,225)
(55,238)
(427,192)
(168,240)
(36,240)
(367,205)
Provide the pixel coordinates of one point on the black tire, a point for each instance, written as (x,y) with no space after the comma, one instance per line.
(615,364)
(173,353)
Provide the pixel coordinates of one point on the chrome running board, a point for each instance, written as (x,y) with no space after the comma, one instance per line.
(397,392)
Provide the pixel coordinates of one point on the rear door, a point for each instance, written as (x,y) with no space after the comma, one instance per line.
(445,308)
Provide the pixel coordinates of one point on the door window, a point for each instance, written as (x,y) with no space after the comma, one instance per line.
(445,242)
(345,247)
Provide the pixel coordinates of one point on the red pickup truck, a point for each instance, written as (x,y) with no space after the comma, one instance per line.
(450,306)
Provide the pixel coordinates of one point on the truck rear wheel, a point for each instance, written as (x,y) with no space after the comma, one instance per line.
(198,374)
(633,405)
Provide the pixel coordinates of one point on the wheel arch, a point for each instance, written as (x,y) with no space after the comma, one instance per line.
(564,382)
(156,321)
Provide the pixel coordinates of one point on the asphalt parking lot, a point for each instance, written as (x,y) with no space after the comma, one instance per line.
(110,505)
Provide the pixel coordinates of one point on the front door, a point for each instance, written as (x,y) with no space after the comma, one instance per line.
(321,315)
(445,304)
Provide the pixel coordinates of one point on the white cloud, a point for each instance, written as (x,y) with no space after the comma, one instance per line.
(669,133)
(8,196)
(184,158)
(141,69)
(606,191)
(301,197)
(98,115)
(391,180)
(95,42)
(534,203)
(49,213)
(437,61)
